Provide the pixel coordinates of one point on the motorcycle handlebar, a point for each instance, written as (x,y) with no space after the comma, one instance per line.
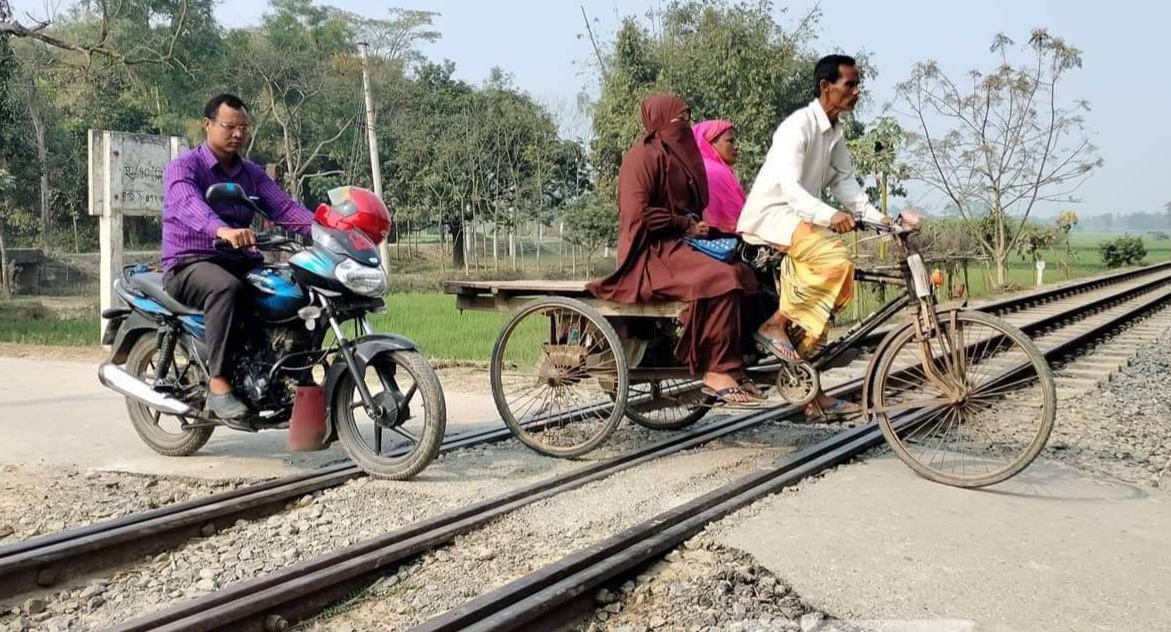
(264,241)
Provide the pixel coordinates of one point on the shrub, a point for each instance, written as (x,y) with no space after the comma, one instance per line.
(1124,251)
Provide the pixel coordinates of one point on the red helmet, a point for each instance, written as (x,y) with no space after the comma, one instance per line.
(355,208)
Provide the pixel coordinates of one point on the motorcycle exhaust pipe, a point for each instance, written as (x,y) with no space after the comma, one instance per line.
(116,378)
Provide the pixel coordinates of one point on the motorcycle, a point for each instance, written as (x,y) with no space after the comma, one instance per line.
(285,367)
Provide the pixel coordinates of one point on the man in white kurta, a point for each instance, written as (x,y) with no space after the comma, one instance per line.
(784,210)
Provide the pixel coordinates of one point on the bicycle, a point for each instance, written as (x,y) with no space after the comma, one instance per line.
(925,366)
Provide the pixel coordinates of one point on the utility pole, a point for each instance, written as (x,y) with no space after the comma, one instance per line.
(372,141)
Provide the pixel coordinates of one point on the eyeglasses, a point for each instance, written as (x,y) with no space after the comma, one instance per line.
(231,127)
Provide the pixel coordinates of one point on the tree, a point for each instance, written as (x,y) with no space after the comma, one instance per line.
(394,39)
(726,61)
(1065,224)
(591,223)
(15,167)
(102,41)
(1005,141)
(1124,251)
(876,154)
(295,59)
(1034,238)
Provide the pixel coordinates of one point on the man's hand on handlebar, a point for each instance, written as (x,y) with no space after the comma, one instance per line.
(237,237)
(841,222)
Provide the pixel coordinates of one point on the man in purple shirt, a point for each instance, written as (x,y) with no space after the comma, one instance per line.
(196,273)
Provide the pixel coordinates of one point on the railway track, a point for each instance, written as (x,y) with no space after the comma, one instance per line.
(270,602)
(536,600)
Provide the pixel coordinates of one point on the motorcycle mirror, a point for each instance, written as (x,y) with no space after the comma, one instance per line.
(225,192)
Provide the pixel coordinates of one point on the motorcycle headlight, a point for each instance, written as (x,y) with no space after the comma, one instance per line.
(361,279)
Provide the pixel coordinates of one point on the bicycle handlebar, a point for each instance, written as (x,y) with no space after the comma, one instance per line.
(895,228)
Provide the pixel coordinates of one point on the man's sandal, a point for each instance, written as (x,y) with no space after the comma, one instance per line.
(752,388)
(838,411)
(778,347)
(722,398)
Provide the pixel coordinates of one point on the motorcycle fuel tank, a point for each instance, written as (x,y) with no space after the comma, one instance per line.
(279,297)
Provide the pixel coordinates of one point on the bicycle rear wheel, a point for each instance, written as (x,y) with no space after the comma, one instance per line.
(984,395)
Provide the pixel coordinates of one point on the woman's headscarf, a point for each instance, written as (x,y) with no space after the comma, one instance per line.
(657,112)
(725,195)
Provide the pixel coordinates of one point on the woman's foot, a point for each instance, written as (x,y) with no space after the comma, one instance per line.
(725,388)
(750,387)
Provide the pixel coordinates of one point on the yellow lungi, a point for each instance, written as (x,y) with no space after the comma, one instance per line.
(816,280)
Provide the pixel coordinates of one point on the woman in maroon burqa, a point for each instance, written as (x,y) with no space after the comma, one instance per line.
(662,180)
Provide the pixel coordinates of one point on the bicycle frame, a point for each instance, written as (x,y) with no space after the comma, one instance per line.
(917,296)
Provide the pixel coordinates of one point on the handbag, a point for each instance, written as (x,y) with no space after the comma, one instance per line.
(718,248)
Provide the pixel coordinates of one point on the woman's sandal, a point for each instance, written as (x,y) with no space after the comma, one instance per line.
(777,347)
(722,398)
(838,411)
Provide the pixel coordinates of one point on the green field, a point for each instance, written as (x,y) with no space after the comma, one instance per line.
(431,320)
(442,332)
(69,332)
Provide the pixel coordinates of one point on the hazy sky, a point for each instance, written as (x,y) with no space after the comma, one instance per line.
(1123,45)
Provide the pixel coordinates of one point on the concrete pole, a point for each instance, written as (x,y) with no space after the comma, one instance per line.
(372,141)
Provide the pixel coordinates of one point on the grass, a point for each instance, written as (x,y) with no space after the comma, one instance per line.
(1085,259)
(438,328)
(72,332)
(429,318)
(31,323)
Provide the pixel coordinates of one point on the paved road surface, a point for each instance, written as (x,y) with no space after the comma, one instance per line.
(57,413)
(1050,550)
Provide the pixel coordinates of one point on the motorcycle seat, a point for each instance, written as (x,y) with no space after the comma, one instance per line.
(151,284)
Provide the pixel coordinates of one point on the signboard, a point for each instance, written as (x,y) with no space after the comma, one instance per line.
(125,179)
(126,171)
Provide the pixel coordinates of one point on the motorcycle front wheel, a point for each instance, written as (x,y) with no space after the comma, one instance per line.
(406,437)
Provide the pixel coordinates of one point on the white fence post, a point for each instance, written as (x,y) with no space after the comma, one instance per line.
(125,179)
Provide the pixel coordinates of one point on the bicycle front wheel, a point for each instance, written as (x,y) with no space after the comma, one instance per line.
(979,396)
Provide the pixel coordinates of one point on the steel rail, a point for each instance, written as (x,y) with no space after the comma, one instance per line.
(528,599)
(266,602)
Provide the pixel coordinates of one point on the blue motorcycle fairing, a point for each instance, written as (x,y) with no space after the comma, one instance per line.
(280,296)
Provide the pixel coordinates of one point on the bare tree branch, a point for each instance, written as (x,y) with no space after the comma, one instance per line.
(102,47)
(1005,144)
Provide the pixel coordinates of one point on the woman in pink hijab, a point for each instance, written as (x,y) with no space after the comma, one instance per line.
(717,144)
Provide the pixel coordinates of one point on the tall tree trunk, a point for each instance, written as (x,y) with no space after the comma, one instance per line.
(1001,247)
(6,275)
(38,120)
(512,233)
(1000,259)
(459,257)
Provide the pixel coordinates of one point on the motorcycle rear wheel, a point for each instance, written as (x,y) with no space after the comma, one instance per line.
(140,363)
